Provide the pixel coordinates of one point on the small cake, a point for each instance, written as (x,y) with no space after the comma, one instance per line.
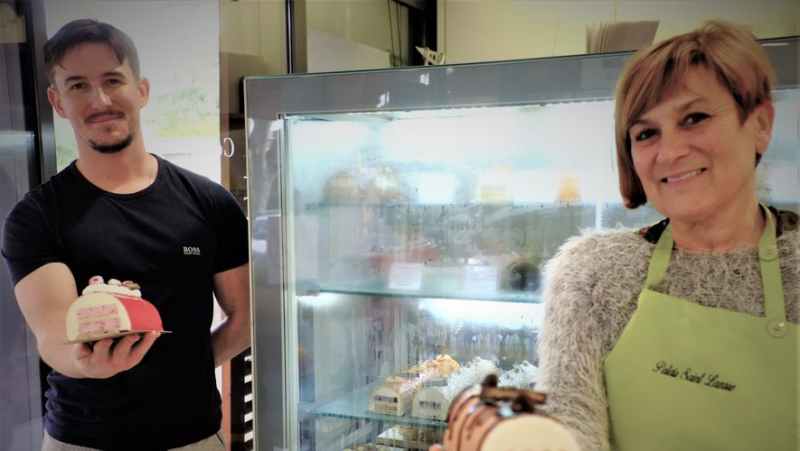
(569,188)
(522,375)
(395,395)
(110,310)
(433,400)
(485,417)
(416,435)
(436,368)
(342,187)
(385,187)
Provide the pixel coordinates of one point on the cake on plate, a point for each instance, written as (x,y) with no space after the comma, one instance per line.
(110,310)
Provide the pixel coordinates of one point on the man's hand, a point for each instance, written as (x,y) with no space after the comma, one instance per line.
(44,296)
(231,336)
(108,357)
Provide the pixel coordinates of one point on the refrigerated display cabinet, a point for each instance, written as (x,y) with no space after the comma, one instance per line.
(401,219)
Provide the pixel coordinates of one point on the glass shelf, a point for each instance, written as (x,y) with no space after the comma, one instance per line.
(356,406)
(380,290)
(451,208)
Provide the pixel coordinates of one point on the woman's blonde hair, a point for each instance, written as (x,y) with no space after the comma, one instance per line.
(739,62)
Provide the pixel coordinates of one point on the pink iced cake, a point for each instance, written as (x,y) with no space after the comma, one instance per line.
(109,310)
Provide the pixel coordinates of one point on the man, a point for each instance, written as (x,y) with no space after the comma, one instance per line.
(120,212)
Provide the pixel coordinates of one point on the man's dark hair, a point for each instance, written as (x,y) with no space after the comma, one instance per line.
(88,31)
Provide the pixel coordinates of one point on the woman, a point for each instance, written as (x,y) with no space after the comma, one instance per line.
(682,336)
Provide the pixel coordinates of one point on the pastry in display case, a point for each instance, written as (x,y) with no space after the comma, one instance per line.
(522,376)
(402,223)
(433,400)
(396,394)
(342,187)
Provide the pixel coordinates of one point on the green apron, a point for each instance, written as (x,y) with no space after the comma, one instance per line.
(687,377)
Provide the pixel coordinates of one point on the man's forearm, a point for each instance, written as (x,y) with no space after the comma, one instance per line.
(60,358)
(230,338)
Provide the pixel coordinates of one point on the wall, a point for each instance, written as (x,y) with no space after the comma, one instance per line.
(491,30)
(371,26)
(252,37)
(252,32)
(251,42)
(362,21)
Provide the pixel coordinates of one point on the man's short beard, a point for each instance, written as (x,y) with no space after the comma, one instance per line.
(112,148)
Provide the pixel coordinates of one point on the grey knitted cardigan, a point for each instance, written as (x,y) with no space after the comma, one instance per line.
(592,287)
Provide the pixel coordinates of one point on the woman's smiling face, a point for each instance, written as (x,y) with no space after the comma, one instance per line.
(692,152)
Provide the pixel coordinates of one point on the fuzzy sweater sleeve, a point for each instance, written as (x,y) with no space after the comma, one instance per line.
(570,356)
(581,317)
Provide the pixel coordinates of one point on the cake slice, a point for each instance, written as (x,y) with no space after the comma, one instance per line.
(110,310)
(396,394)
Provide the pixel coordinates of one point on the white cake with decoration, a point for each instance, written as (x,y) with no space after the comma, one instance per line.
(110,310)
(434,398)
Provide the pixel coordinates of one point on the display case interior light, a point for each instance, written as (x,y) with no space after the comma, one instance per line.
(433,188)
(316,136)
(321,300)
(486,133)
(482,312)
(564,148)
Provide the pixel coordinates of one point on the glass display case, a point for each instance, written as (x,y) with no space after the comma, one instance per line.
(400,223)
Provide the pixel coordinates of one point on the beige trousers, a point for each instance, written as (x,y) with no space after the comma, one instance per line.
(215,442)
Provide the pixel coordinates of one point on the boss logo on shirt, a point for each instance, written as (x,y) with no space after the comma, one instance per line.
(690,375)
(191,250)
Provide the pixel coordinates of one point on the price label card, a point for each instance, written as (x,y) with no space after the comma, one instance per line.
(405,276)
(480,279)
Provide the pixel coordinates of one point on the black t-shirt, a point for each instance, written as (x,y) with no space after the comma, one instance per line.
(170,238)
